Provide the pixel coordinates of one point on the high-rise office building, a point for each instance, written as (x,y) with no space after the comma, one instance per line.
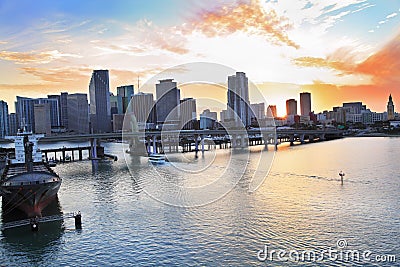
(354,107)
(208,119)
(42,118)
(100,110)
(142,106)
(62,108)
(390,108)
(188,113)
(24,108)
(4,125)
(224,115)
(258,111)
(305,103)
(125,92)
(116,104)
(25,114)
(12,124)
(238,98)
(168,100)
(271,111)
(53,110)
(78,113)
(291,107)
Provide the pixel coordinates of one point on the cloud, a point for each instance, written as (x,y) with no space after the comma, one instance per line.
(391,15)
(117,48)
(383,66)
(323,63)
(170,39)
(33,56)
(250,18)
(59,75)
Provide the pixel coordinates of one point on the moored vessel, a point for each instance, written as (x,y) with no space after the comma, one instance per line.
(27,182)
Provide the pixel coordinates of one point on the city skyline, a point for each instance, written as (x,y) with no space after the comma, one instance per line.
(335,50)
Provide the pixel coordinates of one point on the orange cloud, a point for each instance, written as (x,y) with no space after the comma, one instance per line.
(68,77)
(324,63)
(383,66)
(250,18)
(33,56)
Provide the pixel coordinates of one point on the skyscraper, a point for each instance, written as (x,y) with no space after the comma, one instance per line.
(4,126)
(125,92)
(116,104)
(390,108)
(188,113)
(258,111)
(271,111)
(142,106)
(305,104)
(24,111)
(168,98)
(42,118)
(208,119)
(12,124)
(53,110)
(238,98)
(78,113)
(100,110)
(62,108)
(291,107)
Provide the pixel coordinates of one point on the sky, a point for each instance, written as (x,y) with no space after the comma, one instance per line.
(339,50)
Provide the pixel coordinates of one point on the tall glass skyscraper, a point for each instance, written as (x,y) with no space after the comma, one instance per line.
(305,104)
(238,98)
(125,92)
(78,113)
(3,119)
(24,108)
(100,109)
(168,100)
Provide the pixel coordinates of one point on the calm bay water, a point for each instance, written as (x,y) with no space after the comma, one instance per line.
(300,206)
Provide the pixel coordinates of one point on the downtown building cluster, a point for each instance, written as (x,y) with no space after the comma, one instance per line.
(73,114)
(350,113)
(106,112)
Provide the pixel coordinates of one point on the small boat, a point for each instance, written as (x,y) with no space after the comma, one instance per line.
(157,158)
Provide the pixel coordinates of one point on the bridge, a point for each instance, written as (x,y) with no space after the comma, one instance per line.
(160,141)
(251,132)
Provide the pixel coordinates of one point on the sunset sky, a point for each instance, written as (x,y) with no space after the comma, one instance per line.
(339,50)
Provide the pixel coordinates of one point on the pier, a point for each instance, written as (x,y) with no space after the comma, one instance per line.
(34,222)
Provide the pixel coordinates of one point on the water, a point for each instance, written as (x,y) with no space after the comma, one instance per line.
(300,206)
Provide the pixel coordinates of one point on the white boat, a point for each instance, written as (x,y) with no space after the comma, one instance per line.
(157,158)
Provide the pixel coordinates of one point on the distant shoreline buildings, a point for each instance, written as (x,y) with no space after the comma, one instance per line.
(73,113)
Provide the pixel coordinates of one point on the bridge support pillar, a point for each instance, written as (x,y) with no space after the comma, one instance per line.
(291,139)
(93,148)
(202,144)
(265,139)
(154,144)
(302,138)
